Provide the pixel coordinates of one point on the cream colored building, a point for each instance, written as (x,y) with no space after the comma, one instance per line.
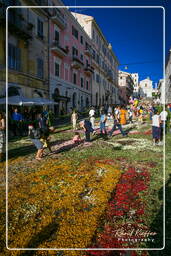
(105,79)
(146,88)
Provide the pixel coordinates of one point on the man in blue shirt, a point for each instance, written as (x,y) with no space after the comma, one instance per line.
(17,122)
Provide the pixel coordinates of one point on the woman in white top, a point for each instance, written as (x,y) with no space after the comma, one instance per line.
(156,127)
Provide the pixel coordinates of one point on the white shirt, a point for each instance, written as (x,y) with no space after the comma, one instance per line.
(156,120)
(163,115)
(91,112)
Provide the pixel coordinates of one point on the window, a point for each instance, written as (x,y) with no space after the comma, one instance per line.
(121,77)
(87,85)
(81,39)
(74,32)
(87,63)
(94,54)
(75,78)
(97,78)
(40,28)
(82,57)
(82,82)
(40,68)
(97,58)
(57,69)
(14,57)
(93,34)
(56,36)
(74,51)
(145,85)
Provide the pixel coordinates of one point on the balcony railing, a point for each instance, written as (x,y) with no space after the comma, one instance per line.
(59,18)
(56,47)
(19,26)
(76,62)
(89,70)
(88,51)
(109,76)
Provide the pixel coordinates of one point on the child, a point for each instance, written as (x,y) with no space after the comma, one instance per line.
(35,136)
(156,127)
(76,138)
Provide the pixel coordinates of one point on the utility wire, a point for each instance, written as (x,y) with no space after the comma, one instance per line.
(144,62)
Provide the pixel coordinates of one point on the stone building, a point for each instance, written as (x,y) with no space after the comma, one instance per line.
(105,78)
(27,50)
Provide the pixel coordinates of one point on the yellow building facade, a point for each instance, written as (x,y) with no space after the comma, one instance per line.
(28,62)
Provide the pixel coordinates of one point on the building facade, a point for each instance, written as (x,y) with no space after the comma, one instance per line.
(70,62)
(146,88)
(105,88)
(135,78)
(168,80)
(27,51)
(126,85)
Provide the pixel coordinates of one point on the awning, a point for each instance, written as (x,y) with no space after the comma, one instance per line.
(23,101)
(16,100)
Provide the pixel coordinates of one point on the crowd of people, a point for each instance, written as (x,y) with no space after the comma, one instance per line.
(39,125)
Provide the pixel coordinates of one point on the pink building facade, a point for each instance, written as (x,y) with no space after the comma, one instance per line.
(70,62)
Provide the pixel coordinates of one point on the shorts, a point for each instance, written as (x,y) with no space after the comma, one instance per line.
(38,144)
(156,132)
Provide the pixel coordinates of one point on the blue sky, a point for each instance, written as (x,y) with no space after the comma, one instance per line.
(136,34)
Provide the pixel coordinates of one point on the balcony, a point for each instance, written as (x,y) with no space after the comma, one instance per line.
(21,28)
(88,70)
(77,63)
(59,50)
(88,52)
(59,19)
(109,76)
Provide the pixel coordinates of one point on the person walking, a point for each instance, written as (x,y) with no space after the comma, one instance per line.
(92,117)
(117,123)
(163,124)
(74,118)
(130,115)
(35,135)
(109,112)
(123,113)
(156,133)
(2,136)
(103,119)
